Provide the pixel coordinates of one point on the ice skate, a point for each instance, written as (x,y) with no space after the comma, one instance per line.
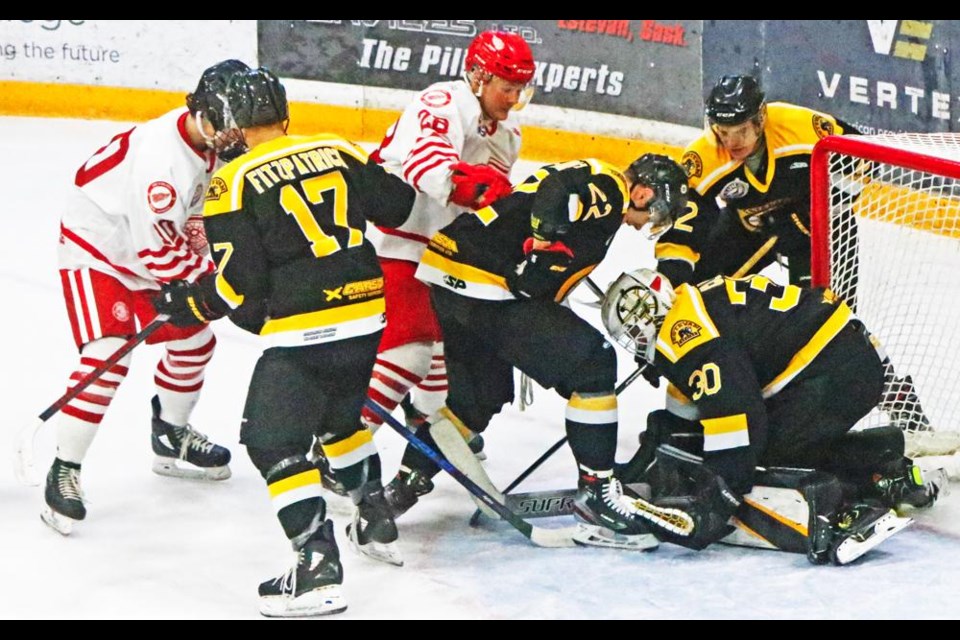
(608,518)
(64,497)
(373,531)
(405,489)
(182,452)
(852,533)
(312,587)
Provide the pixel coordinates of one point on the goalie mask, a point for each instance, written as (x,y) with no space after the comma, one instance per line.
(633,310)
(668,181)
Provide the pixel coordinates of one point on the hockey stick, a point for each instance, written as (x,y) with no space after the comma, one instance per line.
(540,536)
(23,467)
(475,518)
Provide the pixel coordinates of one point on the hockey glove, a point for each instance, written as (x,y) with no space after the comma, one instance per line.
(477,185)
(186,303)
(649,372)
(537,276)
(710,503)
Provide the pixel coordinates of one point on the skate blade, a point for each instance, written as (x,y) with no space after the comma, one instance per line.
(379,551)
(59,523)
(592,535)
(323,601)
(175,468)
(854,547)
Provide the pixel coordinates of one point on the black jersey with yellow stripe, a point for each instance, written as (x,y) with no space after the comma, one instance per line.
(580,203)
(775,200)
(728,344)
(678,250)
(286,222)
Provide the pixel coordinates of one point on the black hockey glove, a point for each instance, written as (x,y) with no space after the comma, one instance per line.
(649,372)
(710,503)
(538,275)
(186,303)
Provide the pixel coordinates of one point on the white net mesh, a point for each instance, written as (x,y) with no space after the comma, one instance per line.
(892,230)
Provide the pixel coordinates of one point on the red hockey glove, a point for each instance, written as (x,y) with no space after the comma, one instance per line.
(477,185)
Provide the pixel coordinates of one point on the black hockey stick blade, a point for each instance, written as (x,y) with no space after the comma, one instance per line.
(540,536)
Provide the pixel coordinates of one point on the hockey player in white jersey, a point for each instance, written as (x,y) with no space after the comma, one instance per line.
(132,222)
(455,143)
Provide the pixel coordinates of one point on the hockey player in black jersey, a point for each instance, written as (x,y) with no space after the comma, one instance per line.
(771,376)
(497,279)
(286,221)
(754,161)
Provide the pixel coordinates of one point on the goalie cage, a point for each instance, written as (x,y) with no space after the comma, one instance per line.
(885,216)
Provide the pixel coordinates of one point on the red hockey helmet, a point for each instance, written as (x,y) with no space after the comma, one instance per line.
(505,55)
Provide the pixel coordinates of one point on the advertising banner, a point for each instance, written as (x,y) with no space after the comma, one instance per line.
(643,68)
(879,75)
(142,54)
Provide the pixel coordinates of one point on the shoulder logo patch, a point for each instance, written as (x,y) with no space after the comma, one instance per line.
(692,164)
(822,126)
(161,196)
(217,188)
(683,331)
(436,98)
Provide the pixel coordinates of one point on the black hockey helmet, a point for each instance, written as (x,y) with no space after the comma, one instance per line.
(733,100)
(669,183)
(256,97)
(212,83)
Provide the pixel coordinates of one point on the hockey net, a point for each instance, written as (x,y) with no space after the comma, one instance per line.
(885,215)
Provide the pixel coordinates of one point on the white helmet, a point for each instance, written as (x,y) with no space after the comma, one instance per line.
(633,310)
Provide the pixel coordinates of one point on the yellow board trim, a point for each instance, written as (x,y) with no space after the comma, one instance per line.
(54,100)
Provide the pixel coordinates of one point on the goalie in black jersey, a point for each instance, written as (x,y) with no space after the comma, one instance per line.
(497,279)
(286,221)
(770,376)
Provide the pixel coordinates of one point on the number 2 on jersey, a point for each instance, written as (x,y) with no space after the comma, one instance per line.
(314,189)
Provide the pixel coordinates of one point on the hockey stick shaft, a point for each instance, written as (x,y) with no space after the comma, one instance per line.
(23,462)
(553,448)
(538,535)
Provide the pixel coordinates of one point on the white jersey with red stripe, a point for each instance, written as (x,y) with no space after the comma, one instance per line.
(439,128)
(127,212)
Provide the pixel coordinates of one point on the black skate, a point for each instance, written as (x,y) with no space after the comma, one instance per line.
(64,497)
(183,452)
(904,485)
(405,489)
(373,531)
(608,518)
(335,493)
(852,533)
(312,586)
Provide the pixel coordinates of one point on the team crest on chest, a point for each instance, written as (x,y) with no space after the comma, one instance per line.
(734,190)
(683,331)
(120,311)
(161,196)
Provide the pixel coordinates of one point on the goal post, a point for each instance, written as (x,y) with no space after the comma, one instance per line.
(885,233)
